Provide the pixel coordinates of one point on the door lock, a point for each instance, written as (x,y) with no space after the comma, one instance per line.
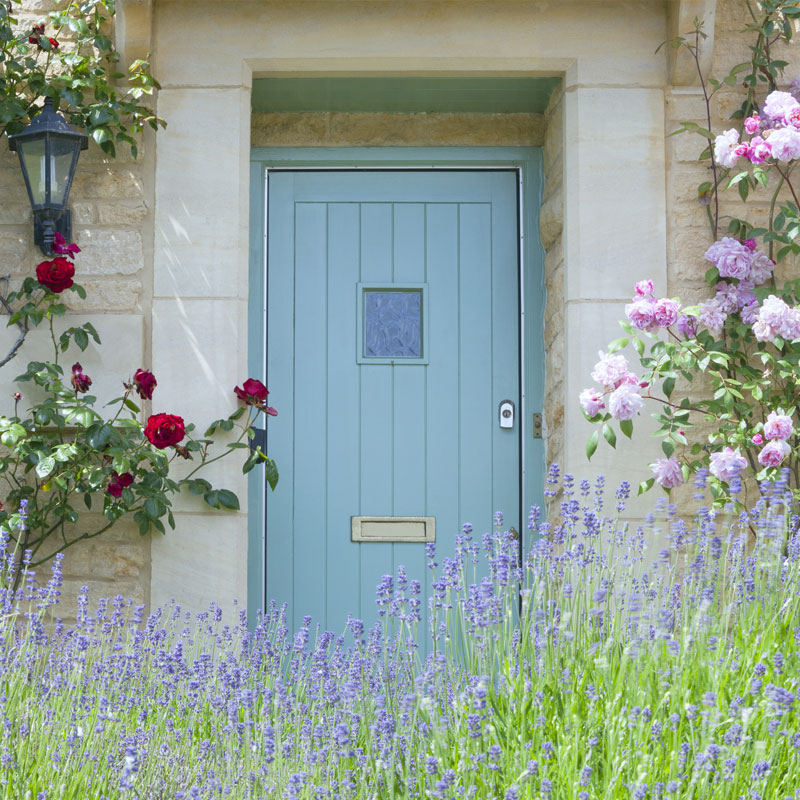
(506,413)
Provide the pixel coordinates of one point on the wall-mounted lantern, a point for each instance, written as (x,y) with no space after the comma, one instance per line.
(48,153)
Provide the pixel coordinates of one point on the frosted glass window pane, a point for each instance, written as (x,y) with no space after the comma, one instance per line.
(393,324)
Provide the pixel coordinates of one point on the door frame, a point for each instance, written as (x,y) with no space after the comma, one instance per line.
(527,161)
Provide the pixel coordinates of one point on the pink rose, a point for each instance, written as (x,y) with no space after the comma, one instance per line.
(666,312)
(625,402)
(773,453)
(759,150)
(687,326)
(730,257)
(752,124)
(711,315)
(610,370)
(592,402)
(762,331)
(668,472)
(785,144)
(758,438)
(724,148)
(761,268)
(777,104)
(640,313)
(727,464)
(778,426)
(750,244)
(773,312)
(644,288)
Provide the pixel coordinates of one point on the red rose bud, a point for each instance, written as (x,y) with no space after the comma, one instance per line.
(124,480)
(253,392)
(145,382)
(80,382)
(53,43)
(114,489)
(55,275)
(271,411)
(164,430)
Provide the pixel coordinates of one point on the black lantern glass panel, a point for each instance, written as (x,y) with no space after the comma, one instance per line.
(48,153)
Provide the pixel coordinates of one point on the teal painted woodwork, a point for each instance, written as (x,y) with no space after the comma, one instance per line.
(404,95)
(382,439)
(528,162)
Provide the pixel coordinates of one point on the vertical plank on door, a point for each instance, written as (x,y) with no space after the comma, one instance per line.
(280,378)
(442,402)
(376,399)
(410,429)
(311,370)
(342,411)
(478,411)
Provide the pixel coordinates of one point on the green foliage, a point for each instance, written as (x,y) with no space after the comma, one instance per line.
(81,72)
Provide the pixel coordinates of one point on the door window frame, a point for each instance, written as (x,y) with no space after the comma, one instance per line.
(527,161)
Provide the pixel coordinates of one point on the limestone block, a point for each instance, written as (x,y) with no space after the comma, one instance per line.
(108,364)
(281,130)
(686,212)
(112,294)
(201,346)
(610,202)
(551,219)
(204,560)
(109,252)
(107,183)
(554,138)
(691,246)
(122,212)
(15,249)
(684,104)
(83,213)
(202,195)
(15,213)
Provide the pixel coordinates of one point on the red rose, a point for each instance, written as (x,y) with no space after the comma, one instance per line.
(253,392)
(80,382)
(145,382)
(163,430)
(53,43)
(118,483)
(55,275)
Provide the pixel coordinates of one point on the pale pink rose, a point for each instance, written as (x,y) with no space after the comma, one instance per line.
(687,326)
(640,313)
(727,297)
(762,331)
(644,289)
(761,268)
(592,402)
(792,116)
(611,369)
(712,316)
(625,402)
(727,464)
(725,146)
(759,150)
(752,124)
(778,426)
(790,330)
(666,312)
(777,104)
(730,257)
(774,312)
(773,453)
(785,144)
(668,472)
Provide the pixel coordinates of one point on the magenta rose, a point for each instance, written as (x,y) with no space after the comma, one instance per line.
(56,274)
(164,430)
(80,382)
(144,382)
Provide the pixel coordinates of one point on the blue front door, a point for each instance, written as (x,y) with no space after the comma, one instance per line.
(392,340)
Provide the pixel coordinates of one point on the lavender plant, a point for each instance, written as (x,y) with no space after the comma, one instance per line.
(619,676)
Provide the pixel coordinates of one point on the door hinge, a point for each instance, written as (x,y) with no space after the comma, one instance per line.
(537,425)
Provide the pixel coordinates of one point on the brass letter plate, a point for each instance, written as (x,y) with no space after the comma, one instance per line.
(393,529)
